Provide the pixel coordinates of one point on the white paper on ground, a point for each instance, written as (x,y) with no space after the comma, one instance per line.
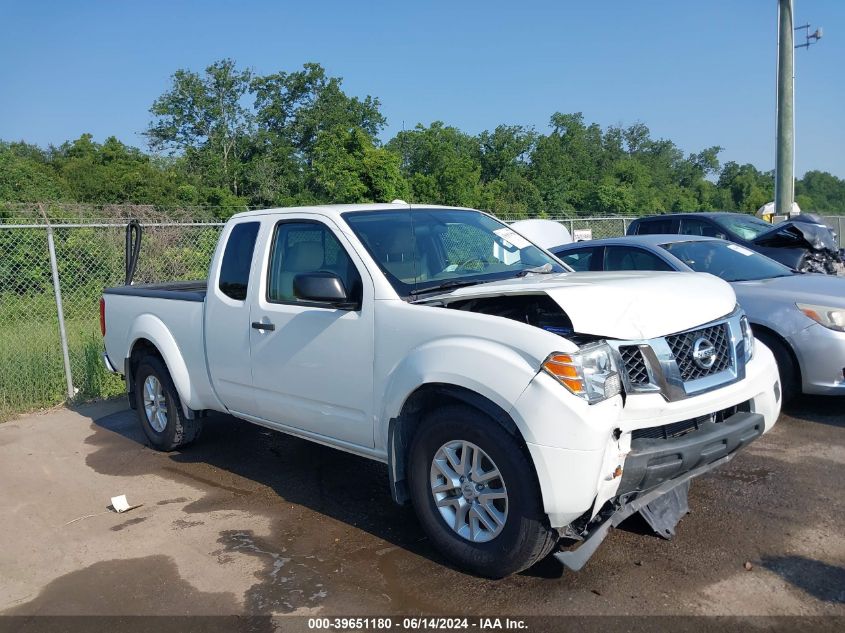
(120,504)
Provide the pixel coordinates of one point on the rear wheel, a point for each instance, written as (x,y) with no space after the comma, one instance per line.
(476,495)
(159,409)
(790,379)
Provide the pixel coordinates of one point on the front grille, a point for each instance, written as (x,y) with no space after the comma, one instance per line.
(678,429)
(683,345)
(632,358)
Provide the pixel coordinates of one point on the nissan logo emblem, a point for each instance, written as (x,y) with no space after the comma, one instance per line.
(704,353)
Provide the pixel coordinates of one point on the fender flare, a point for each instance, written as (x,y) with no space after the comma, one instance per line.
(151,328)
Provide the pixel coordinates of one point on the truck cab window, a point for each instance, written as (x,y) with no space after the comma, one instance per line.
(694,226)
(579,261)
(627,258)
(237,260)
(307,247)
(656,226)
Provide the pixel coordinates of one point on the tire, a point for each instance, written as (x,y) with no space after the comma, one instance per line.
(522,537)
(790,379)
(174,429)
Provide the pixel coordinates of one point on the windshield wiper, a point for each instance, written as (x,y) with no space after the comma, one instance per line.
(446,285)
(545,269)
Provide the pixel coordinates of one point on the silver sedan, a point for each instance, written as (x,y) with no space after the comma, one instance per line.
(800,317)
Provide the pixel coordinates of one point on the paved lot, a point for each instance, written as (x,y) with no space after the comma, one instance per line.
(249,521)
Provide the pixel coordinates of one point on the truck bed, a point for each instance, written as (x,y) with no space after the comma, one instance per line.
(176,290)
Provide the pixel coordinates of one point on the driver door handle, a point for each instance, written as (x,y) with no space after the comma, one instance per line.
(258,325)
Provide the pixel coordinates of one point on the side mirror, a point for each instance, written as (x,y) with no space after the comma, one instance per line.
(322,287)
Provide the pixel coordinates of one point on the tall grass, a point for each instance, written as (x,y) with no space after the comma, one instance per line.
(32,372)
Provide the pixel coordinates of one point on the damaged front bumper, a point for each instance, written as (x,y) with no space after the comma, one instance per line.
(656,467)
(653,462)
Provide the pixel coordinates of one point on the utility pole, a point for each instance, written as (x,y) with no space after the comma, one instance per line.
(785,159)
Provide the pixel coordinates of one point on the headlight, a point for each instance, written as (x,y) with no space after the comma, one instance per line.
(589,373)
(747,338)
(831,318)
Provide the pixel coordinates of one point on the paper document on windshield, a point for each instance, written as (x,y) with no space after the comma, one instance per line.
(511,237)
(740,249)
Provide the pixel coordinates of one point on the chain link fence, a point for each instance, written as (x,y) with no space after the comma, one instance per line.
(89,255)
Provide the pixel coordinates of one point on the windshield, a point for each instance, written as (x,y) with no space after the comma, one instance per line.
(431,249)
(730,262)
(746,227)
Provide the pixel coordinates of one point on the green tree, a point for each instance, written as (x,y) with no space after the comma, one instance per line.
(442,164)
(204,116)
(506,149)
(821,191)
(347,167)
(294,108)
(747,189)
(26,174)
(115,173)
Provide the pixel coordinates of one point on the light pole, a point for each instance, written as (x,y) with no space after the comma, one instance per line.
(785,154)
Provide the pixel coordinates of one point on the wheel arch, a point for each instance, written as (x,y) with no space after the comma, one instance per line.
(767,332)
(150,336)
(426,398)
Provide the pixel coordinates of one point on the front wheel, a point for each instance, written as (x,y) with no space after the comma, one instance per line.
(476,495)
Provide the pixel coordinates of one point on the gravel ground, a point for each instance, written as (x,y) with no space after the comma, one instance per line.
(249,521)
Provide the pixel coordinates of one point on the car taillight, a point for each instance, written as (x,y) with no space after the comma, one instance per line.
(103,315)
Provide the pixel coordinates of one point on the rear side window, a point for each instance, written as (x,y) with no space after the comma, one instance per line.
(237,260)
(657,226)
(578,261)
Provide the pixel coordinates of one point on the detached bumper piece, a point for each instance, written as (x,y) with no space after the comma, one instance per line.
(655,467)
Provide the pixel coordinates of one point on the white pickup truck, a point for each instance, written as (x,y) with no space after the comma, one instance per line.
(517,404)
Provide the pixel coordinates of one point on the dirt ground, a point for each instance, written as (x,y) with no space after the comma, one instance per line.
(249,521)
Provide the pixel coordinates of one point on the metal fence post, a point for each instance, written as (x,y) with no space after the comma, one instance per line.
(60,310)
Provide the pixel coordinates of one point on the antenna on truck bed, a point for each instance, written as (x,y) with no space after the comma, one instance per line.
(133,249)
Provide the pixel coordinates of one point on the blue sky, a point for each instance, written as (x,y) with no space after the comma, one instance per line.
(699,73)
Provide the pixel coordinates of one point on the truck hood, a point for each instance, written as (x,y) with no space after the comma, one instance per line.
(619,305)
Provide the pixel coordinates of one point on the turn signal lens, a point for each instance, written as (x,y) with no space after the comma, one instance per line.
(564,368)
